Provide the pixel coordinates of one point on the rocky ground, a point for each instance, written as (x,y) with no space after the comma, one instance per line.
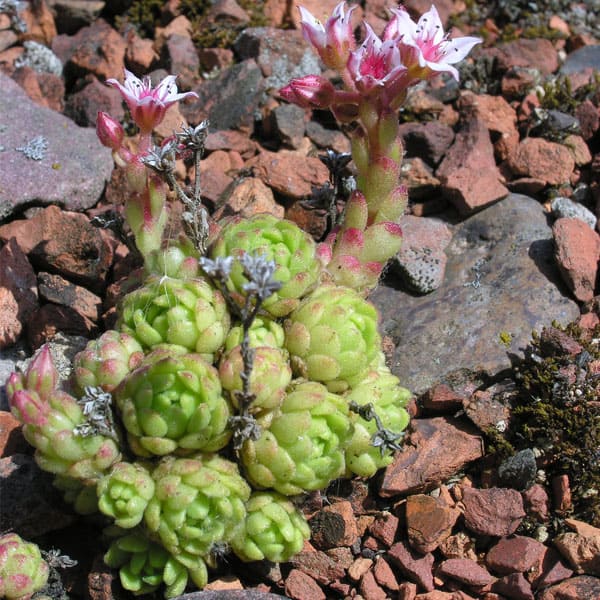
(497,491)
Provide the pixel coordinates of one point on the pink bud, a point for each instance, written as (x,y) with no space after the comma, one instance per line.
(311,91)
(109,131)
(41,376)
(28,408)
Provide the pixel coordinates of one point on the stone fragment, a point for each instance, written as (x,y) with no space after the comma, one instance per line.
(359,567)
(56,289)
(369,588)
(407,591)
(140,54)
(581,551)
(325,138)
(536,502)
(412,565)
(299,586)
(424,462)
(61,176)
(542,160)
(516,554)
(334,526)
(589,119)
(287,124)
(565,207)
(513,586)
(441,398)
(83,106)
(11,436)
(342,556)
(518,471)
(500,277)
(485,411)
(459,546)
(429,522)
(248,196)
(52,318)
(318,565)
(429,141)
(575,588)
(466,571)
(577,255)
(18,292)
(72,15)
(548,570)
(183,60)
(524,52)
(421,260)
(418,178)
(493,511)
(384,575)
(289,173)
(579,149)
(384,528)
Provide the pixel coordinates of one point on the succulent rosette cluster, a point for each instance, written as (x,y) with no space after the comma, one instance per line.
(23,571)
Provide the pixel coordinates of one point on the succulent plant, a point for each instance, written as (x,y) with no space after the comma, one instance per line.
(124,493)
(106,360)
(262,332)
(332,337)
(271,374)
(274,529)
(82,497)
(184,312)
(23,571)
(301,448)
(198,502)
(292,249)
(382,389)
(144,565)
(174,403)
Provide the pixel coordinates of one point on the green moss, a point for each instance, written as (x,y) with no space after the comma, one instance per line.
(143,15)
(557,93)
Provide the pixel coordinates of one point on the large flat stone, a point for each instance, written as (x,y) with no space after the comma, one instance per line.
(501,283)
(74,167)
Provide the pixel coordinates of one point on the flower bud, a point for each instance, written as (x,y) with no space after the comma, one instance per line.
(311,91)
(109,131)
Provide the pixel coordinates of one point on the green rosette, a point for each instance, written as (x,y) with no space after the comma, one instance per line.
(23,571)
(106,361)
(174,404)
(279,240)
(183,312)
(262,332)
(124,492)
(332,337)
(274,529)
(383,390)
(302,446)
(198,503)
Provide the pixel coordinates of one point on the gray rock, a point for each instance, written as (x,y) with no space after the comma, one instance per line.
(59,162)
(39,58)
(587,57)
(565,207)
(501,283)
(518,471)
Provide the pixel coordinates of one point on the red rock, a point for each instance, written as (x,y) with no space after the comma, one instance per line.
(369,587)
(436,595)
(18,292)
(26,78)
(407,591)
(11,436)
(485,411)
(589,119)
(577,254)
(140,54)
(425,462)
(248,196)
(542,160)
(214,176)
(548,570)
(536,502)
(299,586)
(96,49)
(53,90)
(579,150)
(56,289)
(429,522)
(513,586)
(359,567)
(334,526)
(527,52)
(342,556)
(325,138)
(412,565)
(230,140)
(318,565)
(8,38)
(384,575)
(493,511)
(516,82)
(183,59)
(429,141)
(466,571)
(583,587)
(442,398)
(561,493)
(215,58)
(289,173)
(83,106)
(469,176)
(582,552)
(39,22)
(384,528)
(514,555)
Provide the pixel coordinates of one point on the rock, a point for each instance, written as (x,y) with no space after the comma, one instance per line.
(424,461)
(579,150)
(18,292)
(548,570)
(417,176)
(441,398)
(384,575)
(421,260)
(466,571)
(318,565)
(61,176)
(30,505)
(492,511)
(526,52)
(459,546)
(539,159)
(287,124)
(415,567)
(327,138)
(500,277)
(577,255)
(565,207)
(359,567)
(72,15)
(516,554)
(589,119)
(96,49)
(581,61)
(369,588)
(230,101)
(518,471)
(485,411)
(247,196)
(247,594)
(183,59)
(11,436)
(39,58)
(536,502)
(140,54)
(513,586)
(52,318)
(429,141)
(334,526)
(299,585)
(469,176)
(83,106)
(384,528)
(581,551)
(45,89)
(429,522)
(575,588)
(56,289)
(63,242)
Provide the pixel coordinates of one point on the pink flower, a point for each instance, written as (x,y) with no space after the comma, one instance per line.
(311,91)
(333,41)
(424,48)
(375,68)
(147,104)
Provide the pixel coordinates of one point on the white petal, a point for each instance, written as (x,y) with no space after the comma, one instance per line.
(431,26)
(456,50)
